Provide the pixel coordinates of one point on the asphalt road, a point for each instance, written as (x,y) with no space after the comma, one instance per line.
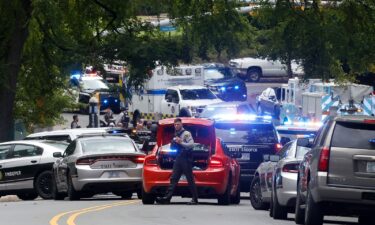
(110,210)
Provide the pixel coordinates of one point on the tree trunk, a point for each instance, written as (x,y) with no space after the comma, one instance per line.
(13,56)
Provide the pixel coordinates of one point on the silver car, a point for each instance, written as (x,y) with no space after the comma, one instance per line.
(98,164)
(275,181)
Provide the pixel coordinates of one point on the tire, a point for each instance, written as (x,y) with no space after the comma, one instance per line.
(56,195)
(43,184)
(27,196)
(278,212)
(237,198)
(253,75)
(256,195)
(299,212)
(72,193)
(147,198)
(224,199)
(313,214)
(365,220)
(184,113)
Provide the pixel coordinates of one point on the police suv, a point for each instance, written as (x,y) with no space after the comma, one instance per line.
(25,168)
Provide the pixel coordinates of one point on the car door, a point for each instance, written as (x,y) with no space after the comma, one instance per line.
(170,103)
(61,166)
(23,166)
(4,157)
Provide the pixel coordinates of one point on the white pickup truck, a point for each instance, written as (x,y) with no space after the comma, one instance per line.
(252,69)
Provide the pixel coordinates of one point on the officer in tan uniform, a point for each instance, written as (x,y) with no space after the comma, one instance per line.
(184,143)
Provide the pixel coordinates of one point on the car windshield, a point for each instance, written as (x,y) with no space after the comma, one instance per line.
(246,133)
(193,94)
(107,145)
(94,84)
(210,112)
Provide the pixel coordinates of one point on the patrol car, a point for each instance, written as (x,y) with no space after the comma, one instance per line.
(25,168)
(84,86)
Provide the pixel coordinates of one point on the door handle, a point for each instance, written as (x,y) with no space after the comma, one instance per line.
(34,161)
(169,104)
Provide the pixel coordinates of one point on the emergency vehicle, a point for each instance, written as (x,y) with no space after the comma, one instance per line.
(84,86)
(171,92)
(305,105)
(115,75)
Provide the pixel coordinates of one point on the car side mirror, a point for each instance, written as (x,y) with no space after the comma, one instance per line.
(274,158)
(303,142)
(284,140)
(57,154)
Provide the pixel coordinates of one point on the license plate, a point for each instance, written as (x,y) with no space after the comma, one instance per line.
(114,174)
(370,167)
(183,177)
(245,156)
(113,165)
(249,149)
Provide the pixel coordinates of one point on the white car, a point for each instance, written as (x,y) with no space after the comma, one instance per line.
(252,69)
(26,168)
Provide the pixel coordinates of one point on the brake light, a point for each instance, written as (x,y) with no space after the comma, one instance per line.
(139,159)
(369,121)
(324,159)
(151,161)
(216,163)
(278,147)
(85,161)
(291,168)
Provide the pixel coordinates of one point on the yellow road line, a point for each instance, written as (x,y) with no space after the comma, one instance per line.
(56,218)
(71,219)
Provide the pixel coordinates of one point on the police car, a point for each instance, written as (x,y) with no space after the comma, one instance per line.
(26,168)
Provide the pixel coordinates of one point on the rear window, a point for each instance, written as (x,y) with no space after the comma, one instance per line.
(107,146)
(246,133)
(362,136)
(301,151)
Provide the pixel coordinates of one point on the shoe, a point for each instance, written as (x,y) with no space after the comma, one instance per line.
(163,200)
(193,202)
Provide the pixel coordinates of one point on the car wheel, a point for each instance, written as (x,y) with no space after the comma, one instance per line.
(313,214)
(278,212)
(253,75)
(147,198)
(224,199)
(27,196)
(256,198)
(56,195)
(365,220)
(72,193)
(43,184)
(299,212)
(237,198)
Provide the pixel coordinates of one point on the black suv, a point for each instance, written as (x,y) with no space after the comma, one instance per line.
(252,138)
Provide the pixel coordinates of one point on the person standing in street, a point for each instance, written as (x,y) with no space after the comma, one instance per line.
(183,164)
(74,123)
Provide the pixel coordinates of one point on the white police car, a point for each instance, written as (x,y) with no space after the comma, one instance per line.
(25,168)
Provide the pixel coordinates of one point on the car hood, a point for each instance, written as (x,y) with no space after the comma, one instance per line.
(223,82)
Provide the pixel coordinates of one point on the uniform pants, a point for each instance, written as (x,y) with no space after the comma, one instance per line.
(181,166)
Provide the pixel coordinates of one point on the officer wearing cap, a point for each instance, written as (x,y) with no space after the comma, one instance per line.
(184,143)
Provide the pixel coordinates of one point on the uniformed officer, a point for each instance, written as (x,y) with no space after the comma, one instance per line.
(183,163)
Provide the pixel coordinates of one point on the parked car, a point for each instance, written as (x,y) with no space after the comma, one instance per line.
(269,102)
(221,80)
(216,171)
(252,69)
(251,136)
(337,176)
(275,182)
(232,108)
(25,168)
(98,164)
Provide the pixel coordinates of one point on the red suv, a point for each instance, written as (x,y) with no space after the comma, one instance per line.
(216,171)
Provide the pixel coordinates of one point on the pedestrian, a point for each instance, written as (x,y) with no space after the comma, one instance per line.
(74,123)
(148,125)
(123,119)
(183,164)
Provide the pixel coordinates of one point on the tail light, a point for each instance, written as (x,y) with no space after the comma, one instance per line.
(85,161)
(90,161)
(278,147)
(291,168)
(214,162)
(138,159)
(369,121)
(324,159)
(151,161)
